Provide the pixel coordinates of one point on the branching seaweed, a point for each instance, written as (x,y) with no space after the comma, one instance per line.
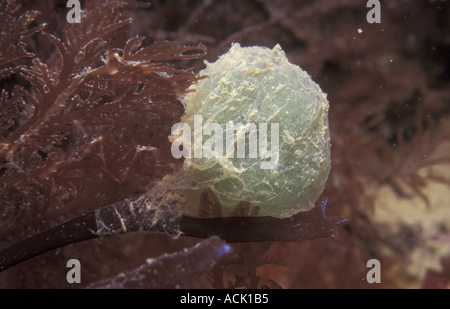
(15,29)
(91,116)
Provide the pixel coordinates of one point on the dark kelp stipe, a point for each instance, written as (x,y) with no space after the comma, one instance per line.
(300,227)
(121,218)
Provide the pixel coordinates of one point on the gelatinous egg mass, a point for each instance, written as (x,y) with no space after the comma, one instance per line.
(275,110)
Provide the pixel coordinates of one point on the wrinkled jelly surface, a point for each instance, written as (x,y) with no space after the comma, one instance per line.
(259,85)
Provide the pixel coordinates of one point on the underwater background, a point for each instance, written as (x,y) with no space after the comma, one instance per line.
(388,85)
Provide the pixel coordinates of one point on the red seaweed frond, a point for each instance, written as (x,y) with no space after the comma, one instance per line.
(15,28)
(411,162)
(92,125)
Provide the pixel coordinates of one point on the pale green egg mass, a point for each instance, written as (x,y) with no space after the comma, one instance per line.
(258,88)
